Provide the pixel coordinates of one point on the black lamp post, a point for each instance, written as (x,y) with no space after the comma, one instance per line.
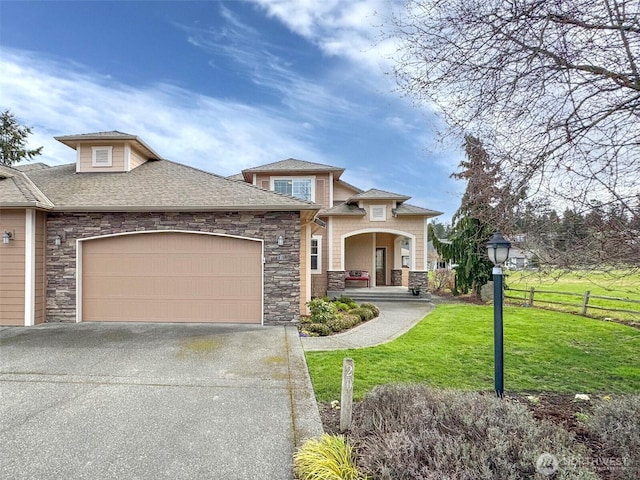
(498,250)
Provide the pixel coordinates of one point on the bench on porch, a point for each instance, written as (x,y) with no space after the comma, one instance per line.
(355,275)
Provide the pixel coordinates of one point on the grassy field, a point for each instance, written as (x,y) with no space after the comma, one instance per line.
(599,283)
(453,347)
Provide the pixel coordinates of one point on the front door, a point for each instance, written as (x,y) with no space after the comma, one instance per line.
(381,266)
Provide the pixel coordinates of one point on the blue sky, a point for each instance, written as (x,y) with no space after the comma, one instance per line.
(227,85)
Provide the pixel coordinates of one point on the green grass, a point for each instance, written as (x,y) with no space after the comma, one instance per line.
(599,283)
(453,347)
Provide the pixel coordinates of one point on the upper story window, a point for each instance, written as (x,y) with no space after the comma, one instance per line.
(101,156)
(301,188)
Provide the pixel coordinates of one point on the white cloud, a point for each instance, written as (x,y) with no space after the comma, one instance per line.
(346,28)
(223,136)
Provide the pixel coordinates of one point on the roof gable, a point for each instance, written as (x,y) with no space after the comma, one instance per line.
(291,165)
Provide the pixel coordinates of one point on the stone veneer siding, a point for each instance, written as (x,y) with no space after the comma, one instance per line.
(418,279)
(396,278)
(281,268)
(335,280)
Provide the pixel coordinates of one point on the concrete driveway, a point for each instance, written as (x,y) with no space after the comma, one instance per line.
(152,401)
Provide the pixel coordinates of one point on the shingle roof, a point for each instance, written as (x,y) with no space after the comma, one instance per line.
(72,140)
(406,209)
(292,165)
(343,209)
(154,186)
(17,190)
(375,194)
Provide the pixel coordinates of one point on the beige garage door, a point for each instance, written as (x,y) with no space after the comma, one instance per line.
(172,277)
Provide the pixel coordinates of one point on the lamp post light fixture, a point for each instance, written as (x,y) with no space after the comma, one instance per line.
(498,250)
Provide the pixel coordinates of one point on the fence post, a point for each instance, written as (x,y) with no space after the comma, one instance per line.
(531,293)
(346,398)
(585,302)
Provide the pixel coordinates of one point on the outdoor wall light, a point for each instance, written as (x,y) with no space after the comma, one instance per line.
(280,240)
(498,250)
(57,241)
(7,237)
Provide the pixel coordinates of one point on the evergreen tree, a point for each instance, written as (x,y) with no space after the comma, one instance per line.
(13,139)
(472,228)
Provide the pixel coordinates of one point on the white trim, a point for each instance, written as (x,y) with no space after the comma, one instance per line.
(78,152)
(330,243)
(312,181)
(255,179)
(30,267)
(318,270)
(307,265)
(127,157)
(426,244)
(377,208)
(80,241)
(95,150)
(410,236)
(374,272)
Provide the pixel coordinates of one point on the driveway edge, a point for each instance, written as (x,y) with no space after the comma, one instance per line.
(304,408)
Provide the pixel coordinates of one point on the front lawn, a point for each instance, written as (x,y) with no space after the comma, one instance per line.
(453,347)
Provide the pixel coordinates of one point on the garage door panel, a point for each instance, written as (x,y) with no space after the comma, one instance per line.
(172,277)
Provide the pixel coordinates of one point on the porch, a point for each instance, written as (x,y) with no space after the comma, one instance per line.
(381,294)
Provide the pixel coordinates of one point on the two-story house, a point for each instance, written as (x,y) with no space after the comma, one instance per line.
(122,234)
(373,233)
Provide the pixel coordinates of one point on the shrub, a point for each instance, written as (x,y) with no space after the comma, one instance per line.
(343,321)
(347,300)
(616,423)
(343,306)
(443,278)
(321,310)
(364,313)
(321,329)
(417,433)
(328,458)
(372,307)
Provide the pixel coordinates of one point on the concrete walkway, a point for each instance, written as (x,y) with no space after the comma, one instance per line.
(395,319)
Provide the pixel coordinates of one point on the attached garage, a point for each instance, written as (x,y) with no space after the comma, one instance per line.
(170,277)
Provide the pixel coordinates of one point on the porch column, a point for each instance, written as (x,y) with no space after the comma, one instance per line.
(396,277)
(418,278)
(335,280)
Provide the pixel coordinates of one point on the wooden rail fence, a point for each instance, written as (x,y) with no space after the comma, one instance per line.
(530,297)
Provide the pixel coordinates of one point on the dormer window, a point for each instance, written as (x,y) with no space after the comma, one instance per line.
(301,188)
(101,156)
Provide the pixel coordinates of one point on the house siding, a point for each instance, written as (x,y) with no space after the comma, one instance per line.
(281,269)
(117,157)
(39,270)
(12,266)
(137,158)
(345,225)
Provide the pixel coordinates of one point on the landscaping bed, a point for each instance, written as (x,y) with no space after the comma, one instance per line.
(598,438)
(329,317)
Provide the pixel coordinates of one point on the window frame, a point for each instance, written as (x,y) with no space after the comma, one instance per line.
(311,180)
(95,150)
(373,218)
(318,254)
